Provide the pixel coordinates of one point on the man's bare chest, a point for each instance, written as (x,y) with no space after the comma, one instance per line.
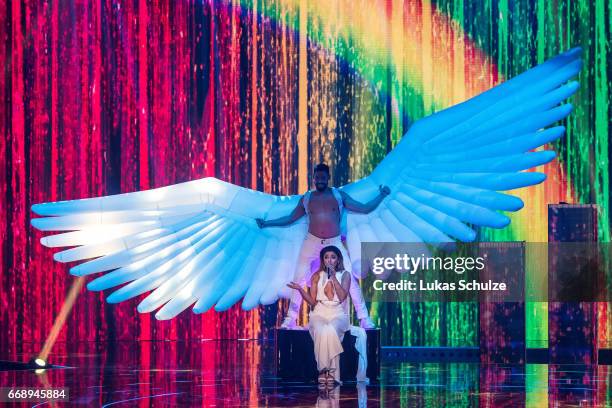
(323,204)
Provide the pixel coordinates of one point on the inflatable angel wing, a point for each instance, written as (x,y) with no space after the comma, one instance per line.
(194,242)
(450,167)
(197,243)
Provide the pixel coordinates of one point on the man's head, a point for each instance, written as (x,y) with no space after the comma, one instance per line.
(320,176)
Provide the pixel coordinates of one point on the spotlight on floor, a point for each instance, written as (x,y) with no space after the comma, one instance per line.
(40,362)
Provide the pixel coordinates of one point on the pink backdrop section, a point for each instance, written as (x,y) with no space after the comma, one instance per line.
(99,98)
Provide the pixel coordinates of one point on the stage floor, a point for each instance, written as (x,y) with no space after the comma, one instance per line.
(241,373)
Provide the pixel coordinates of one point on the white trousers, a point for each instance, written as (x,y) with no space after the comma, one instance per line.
(327,325)
(308,262)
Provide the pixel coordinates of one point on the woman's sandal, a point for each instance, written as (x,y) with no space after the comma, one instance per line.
(330,377)
(323,376)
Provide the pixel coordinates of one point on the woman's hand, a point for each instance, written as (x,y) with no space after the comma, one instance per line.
(305,295)
(294,285)
(342,288)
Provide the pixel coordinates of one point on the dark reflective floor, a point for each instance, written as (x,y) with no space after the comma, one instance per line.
(241,373)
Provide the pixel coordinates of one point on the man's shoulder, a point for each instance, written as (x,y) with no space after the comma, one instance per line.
(342,194)
(331,191)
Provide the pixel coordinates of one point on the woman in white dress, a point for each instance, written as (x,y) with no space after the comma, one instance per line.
(329,287)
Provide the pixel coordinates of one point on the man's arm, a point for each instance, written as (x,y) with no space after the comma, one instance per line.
(295,215)
(364,208)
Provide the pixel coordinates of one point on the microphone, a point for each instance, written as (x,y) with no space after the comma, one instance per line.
(328,271)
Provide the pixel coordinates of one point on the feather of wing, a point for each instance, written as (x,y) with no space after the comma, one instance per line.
(451,168)
(175,242)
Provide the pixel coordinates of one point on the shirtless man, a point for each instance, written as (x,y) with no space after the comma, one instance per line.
(324,208)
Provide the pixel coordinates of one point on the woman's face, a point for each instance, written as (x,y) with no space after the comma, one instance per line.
(330,259)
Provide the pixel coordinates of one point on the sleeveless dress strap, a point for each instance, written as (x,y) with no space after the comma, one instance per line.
(321,296)
(341,211)
(338,198)
(305,201)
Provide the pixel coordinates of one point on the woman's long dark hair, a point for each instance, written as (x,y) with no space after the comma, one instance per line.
(335,250)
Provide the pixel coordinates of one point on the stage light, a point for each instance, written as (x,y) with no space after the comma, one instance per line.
(75,288)
(40,362)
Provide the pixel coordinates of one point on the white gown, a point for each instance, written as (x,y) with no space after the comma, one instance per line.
(328,322)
